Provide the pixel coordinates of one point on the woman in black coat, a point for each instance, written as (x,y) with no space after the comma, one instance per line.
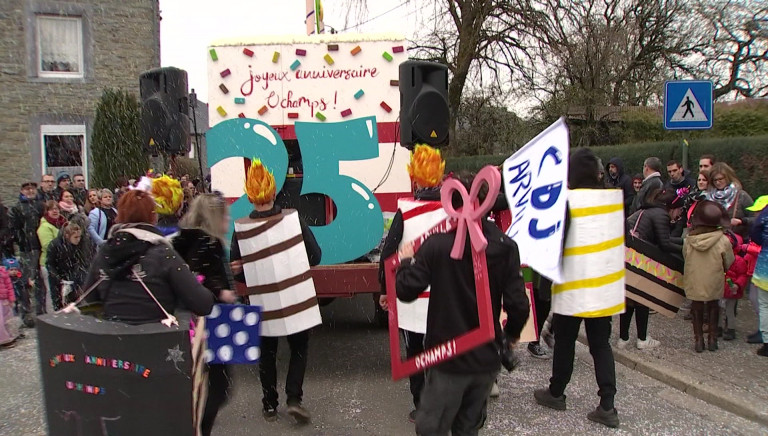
(69,256)
(651,224)
(200,243)
(137,247)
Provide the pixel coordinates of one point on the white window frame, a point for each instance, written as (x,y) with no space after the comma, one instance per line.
(64,129)
(81,57)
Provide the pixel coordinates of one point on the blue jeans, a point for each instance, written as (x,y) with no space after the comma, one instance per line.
(762,301)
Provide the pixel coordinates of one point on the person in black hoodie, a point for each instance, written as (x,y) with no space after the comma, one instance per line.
(25,219)
(456,391)
(136,245)
(200,242)
(618,179)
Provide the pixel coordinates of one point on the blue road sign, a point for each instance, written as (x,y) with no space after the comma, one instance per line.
(688,105)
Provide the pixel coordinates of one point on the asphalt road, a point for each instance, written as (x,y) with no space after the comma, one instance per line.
(349,392)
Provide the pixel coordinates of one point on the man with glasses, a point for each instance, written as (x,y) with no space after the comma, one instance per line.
(46,190)
(78,189)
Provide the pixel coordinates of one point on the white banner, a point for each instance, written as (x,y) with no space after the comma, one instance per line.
(535,183)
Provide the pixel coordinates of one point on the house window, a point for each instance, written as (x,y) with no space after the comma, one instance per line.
(59,46)
(64,150)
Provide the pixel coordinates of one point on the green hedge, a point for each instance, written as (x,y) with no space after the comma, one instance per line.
(747,155)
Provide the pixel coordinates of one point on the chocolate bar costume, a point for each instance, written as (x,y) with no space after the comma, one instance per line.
(277,249)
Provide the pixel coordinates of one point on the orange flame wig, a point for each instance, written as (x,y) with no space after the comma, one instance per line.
(260,183)
(427,166)
(168,195)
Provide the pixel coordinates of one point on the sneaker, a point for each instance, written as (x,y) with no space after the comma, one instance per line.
(29,321)
(605,417)
(648,343)
(537,351)
(299,413)
(755,338)
(270,415)
(622,344)
(763,351)
(412,416)
(545,398)
(495,392)
(652,312)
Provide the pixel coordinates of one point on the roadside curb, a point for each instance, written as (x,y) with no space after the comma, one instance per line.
(696,385)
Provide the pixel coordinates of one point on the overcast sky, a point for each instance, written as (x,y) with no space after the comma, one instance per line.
(189,26)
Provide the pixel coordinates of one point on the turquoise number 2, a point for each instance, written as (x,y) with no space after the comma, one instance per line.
(245,137)
(359,223)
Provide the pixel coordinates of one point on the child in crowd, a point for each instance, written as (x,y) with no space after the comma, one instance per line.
(736,280)
(12,265)
(708,255)
(9,326)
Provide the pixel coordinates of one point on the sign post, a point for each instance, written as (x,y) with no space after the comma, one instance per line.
(688,106)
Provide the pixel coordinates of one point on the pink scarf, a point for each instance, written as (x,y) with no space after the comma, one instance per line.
(68,208)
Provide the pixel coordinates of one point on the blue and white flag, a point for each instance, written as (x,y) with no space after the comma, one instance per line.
(535,183)
(233,334)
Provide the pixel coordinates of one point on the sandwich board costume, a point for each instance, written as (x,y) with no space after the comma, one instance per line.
(277,273)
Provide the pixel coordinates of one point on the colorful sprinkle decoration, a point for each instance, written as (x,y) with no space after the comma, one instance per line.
(241,115)
(346,112)
(263,110)
(214,56)
(333,47)
(320,116)
(356,50)
(248,52)
(385,106)
(239,100)
(359,94)
(394,83)
(221,111)
(328,59)
(275,57)
(224,89)
(293,115)
(296,64)
(225,73)
(387,56)
(301,52)
(398,49)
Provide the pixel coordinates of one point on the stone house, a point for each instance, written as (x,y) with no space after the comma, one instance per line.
(56,57)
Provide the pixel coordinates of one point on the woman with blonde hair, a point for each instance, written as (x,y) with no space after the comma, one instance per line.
(102,218)
(92,201)
(201,243)
(725,189)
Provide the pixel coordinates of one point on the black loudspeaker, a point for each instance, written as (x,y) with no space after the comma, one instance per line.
(311,207)
(424,110)
(164,111)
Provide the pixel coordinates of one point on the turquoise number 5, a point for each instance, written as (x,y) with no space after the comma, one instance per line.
(248,138)
(359,222)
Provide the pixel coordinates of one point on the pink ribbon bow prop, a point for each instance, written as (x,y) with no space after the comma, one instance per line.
(472,211)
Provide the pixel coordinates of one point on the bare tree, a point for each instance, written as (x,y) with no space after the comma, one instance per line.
(732,48)
(479,40)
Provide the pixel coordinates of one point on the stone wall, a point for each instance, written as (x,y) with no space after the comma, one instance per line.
(121,39)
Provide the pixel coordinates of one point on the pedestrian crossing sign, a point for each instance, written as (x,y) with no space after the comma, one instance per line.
(688,105)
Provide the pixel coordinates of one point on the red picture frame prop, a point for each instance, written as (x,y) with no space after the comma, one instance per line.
(466,219)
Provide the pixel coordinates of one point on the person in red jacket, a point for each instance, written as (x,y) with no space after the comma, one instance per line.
(8,328)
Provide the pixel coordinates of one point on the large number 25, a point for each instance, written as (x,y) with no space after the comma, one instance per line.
(359,223)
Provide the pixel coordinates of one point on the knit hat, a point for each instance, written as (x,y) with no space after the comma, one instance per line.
(759,205)
(64,176)
(11,263)
(709,214)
